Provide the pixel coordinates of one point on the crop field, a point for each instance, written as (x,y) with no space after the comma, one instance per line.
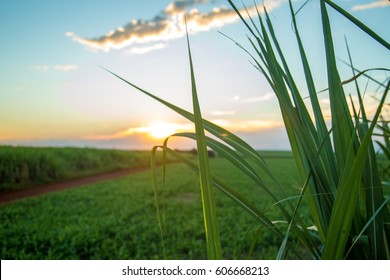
(22,167)
(327,199)
(117,219)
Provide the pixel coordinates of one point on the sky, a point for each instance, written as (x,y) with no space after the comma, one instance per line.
(54,92)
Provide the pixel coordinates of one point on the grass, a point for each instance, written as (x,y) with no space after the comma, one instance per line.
(213,242)
(336,163)
(116,219)
(385,147)
(22,167)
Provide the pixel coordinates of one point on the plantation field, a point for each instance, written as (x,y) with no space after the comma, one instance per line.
(22,167)
(117,219)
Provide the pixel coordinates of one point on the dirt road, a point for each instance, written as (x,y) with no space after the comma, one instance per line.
(9,196)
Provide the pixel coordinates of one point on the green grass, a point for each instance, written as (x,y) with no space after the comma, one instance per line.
(336,163)
(116,219)
(22,167)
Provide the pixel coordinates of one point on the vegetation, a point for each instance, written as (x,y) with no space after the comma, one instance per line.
(384,129)
(116,219)
(336,164)
(334,204)
(22,167)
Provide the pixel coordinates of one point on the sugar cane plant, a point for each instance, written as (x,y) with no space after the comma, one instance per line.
(349,211)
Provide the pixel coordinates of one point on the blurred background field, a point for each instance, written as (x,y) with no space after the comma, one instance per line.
(117,219)
(22,167)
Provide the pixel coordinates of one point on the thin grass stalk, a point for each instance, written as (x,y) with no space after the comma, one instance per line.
(227,137)
(349,142)
(300,137)
(237,160)
(320,168)
(327,161)
(350,181)
(224,151)
(368,224)
(359,24)
(371,181)
(230,192)
(282,253)
(294,124)
(322,130)
(277,76)
(219,132)
(155,197)
(214,250)
(299,228)
(341,120)
(307,145)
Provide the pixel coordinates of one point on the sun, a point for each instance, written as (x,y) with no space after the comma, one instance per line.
(161,130)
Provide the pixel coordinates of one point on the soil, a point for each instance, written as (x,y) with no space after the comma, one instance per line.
(9,196)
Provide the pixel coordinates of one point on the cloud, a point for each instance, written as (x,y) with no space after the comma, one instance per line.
(65,68)
(222,113)
(146,49)
(369,101)
(169,24)
(179,6)
(265,97)
(372,5)
(161,130)
(59,67)
(41,68)
(154,130)
(248,126)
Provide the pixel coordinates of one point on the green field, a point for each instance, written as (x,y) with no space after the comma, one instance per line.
(117,219)
(22,167)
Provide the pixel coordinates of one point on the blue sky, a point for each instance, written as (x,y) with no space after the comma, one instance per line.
(53,92)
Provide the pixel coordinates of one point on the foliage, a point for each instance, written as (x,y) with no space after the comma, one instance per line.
(339,164)
(115,219)
(213,242)
(22,167)
(385,147)
(335,165)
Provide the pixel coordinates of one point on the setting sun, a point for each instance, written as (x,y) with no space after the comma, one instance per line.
(161,130)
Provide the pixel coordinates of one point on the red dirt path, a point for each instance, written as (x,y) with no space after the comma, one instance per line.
(10,196)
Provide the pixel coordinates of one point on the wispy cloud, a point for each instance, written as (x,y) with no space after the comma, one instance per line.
(154,130)
(248,125)
(372,5)
(167,25)
(146,49)
(162,130)
(65,68)
(59,67)
(265,97)
(370,105)
(41,68)
(222,113)
(262,98)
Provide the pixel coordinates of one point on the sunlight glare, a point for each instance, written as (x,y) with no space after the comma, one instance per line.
(162,130)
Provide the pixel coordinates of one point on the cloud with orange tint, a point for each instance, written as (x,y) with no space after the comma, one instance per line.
(156,130)
(242,126)
(161,130)
(169,24)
